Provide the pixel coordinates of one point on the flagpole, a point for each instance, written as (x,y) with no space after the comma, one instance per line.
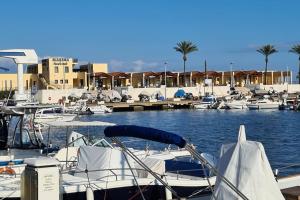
(205,75)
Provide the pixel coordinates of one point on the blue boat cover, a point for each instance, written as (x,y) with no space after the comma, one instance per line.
(179,93)
(145,133)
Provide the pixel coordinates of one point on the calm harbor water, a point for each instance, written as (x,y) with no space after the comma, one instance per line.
(277,130)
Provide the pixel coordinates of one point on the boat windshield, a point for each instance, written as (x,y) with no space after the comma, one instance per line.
(208,99)
(21,134)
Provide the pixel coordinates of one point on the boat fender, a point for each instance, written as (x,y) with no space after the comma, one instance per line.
(7,170)
(89,193)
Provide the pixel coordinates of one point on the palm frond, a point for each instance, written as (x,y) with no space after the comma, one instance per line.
(295,49)
(267,50)
(185,47)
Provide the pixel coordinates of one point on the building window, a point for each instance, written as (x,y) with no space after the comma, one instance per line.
(61,81)
(66,69)
(34,83)
(10,82)
(56,69)
(5,85)
(26,84)
(56,81)
(66,81)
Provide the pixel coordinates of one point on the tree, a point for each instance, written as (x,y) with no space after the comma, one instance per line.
(266,51)
(185,47)
(296,49)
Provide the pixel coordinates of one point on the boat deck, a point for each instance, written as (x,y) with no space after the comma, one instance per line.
(292,193)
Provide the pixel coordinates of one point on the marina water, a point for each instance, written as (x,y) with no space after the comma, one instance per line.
(278,131)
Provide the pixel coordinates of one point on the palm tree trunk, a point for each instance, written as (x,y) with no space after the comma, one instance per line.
(266,69)
(184,73)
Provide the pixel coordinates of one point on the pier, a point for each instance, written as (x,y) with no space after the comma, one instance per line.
(159,105)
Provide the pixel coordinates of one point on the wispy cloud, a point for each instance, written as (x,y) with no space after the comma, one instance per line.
(133,66)
(250,48)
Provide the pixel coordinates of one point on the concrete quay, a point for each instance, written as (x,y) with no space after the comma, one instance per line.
(159,105)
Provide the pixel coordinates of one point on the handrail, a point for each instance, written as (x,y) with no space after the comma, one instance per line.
(100,170)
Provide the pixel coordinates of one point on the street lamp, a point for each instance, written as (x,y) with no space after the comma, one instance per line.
(165,64)
(231,75)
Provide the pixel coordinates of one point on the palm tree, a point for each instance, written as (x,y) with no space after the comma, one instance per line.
(185,47)
(296,49)
(266,51)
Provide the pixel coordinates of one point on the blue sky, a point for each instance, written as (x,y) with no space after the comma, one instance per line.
(139,35)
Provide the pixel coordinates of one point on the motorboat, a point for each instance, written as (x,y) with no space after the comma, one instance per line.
(237,104)
(119,172)
(111,170)
(263,104)
(19,142)
(206,102)
(99,109)
(52,114)
(82,108)
(78,108)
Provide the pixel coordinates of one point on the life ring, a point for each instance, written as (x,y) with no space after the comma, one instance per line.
(7,170)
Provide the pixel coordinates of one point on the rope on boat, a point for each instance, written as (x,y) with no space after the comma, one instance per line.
(197,192)
(134,176)
(144,188)
(189,148)
(8,196)
(135,158)
(289,165)
(208,181)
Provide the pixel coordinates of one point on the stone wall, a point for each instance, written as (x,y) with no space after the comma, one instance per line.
(53,96)
(196,91)
(291,88)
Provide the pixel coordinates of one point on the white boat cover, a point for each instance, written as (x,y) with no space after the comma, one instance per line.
(145,93)
(110,94)
(156,165)
(246,166)
(156,95)
(107,162)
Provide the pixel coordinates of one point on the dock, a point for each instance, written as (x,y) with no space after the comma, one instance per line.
(159,105)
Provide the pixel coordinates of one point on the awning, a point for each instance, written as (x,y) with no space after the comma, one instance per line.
(119,75)
(168,73)
(101,75)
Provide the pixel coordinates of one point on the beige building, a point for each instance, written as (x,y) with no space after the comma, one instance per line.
(54,73)
(59,73)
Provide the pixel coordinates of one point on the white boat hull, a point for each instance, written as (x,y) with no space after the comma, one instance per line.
(100,109)
(236,105)
(201,106)
(52,118)
(262,106)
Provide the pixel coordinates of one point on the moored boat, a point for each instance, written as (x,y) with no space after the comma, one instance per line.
(263,104)
(53,114)
(206,102)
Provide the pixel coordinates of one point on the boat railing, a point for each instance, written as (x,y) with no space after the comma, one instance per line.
(285,167)
(180,172)
(72,163)
(113,173)
(122,175)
